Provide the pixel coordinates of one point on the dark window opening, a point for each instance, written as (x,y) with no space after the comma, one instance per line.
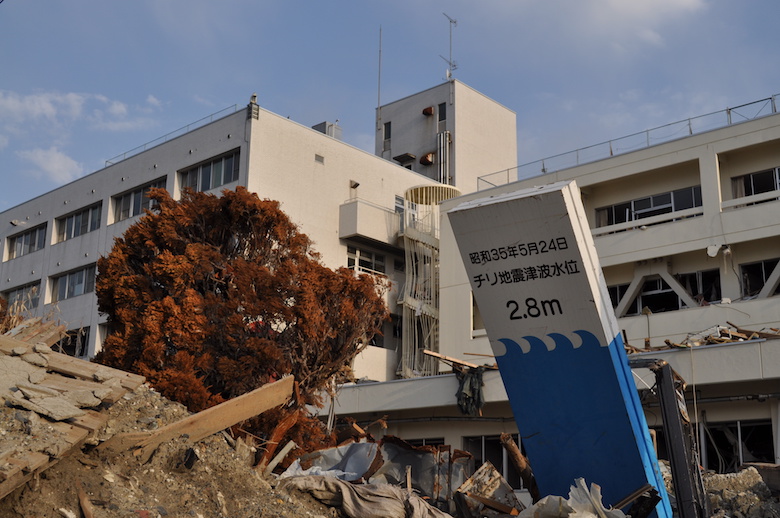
(75,343)
(755,275)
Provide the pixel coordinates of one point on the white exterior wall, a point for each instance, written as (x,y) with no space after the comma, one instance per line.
(277,160)
(483,132)
(100,186)
(485,137)
(741,371)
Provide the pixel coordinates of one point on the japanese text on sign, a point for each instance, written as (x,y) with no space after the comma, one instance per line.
(519,250)
(528,273)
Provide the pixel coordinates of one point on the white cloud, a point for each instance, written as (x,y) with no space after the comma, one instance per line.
(52,164)
(3,141)
(117,109)
(17,107)
(153,101)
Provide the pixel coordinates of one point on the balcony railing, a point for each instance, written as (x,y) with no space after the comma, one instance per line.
(646,222)
(662,134)
(173,134)
(750,200)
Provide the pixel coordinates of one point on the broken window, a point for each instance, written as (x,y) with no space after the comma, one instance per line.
(658,296)
(488,448)
(75,343)
(616,293)
(755,275)
(729,445)
(703,286)
(23,298)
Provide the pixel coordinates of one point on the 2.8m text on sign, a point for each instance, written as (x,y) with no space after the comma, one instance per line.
(534,308)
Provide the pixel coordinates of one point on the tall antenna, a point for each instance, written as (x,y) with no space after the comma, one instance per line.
(452,66)
(379,83)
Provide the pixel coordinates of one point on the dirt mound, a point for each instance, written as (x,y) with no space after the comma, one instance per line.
(742,494)
(211,479)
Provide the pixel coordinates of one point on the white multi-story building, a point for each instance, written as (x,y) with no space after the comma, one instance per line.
(687,231)
(688,236)
(349,202)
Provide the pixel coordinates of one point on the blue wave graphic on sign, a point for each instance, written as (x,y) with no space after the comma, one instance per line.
(559,341)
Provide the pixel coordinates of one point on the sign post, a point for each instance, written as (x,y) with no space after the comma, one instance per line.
(538,284)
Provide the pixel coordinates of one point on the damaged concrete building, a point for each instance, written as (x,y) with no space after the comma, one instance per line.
(705,253)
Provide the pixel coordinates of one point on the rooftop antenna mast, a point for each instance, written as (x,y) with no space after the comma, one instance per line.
(452,65)
(379,84)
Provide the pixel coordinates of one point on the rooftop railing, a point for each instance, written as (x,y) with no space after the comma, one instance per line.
(173,134)
(633,142)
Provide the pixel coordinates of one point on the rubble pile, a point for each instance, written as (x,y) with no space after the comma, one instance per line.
(742,494)
(209,479)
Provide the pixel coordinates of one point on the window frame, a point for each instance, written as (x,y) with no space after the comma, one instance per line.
(27,242)
(80,281)
(130,204)
(635,210)
(213,173)
(66,225)
(31,291)
(364,260)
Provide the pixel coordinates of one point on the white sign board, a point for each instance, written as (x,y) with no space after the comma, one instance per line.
(537,282)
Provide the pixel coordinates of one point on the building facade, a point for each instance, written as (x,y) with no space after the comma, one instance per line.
(349,202)
(688,236)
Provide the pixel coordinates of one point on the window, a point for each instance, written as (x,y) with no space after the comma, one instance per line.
(657,296)
(648,206)
(442,112)
(616,294)
(24,298)
(476,317)
(703,286)
(365,261)
(488,448)
(73,284)
(133,203)
(756,183)
(212,173)
(79,223)
(388,130)
(74,343)
(755,275)
(27,242)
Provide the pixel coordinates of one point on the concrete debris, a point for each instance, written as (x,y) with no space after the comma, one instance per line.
(583,502)
(363,500)
(486,493)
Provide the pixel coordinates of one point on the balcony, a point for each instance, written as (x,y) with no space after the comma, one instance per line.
(362,220)
(656,236)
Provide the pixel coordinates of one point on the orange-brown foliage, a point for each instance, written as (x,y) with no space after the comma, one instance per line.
(210,297)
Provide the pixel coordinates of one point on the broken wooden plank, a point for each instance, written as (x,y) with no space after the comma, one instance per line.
(90,421)
(521,464)
(207,422)
(758,334)
(28,466)
(493,504)
(85,502)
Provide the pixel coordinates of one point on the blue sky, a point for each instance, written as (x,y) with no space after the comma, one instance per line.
(83,81)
